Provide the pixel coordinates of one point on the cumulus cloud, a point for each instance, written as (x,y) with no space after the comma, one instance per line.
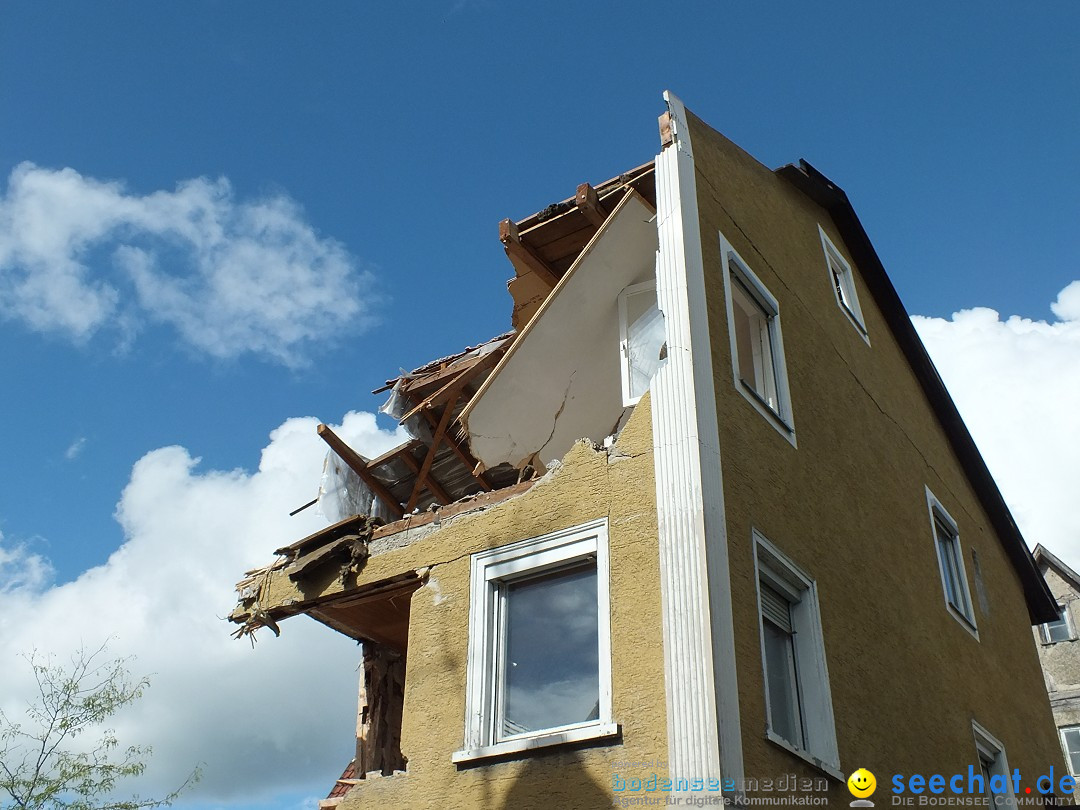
(1016,382)
(279,718)
(230,276)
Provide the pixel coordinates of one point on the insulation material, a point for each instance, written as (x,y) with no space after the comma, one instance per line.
(644,349)
(396,406)
(342,493)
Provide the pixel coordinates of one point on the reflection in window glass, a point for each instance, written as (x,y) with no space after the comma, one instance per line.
(550,665)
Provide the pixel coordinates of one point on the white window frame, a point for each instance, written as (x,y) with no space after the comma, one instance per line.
(549,552)
(780,417)
(624,338)
(1044,629)
(987,745)
(841,275)
(1065,746)
(774,568)
(964,614)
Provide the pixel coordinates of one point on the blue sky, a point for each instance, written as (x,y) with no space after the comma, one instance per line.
(391,139)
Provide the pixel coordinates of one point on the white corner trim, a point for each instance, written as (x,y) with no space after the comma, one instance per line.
(704,736)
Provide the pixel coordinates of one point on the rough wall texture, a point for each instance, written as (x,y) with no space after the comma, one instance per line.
(591,483)
(849,507)
(1061,661)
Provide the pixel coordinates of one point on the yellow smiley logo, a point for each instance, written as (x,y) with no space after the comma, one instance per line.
(862,783)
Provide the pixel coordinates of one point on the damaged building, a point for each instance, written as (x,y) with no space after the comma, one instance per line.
(647,540)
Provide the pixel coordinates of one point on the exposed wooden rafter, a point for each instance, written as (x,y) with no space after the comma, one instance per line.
(518,251)
(467,458)
(360,467)
(588,203)
(434,486)
(436,440)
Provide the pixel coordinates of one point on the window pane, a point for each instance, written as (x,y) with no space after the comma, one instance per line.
(784,714)
(1059,630)
(753,343)
(1071,738)
(948,550)
(948,566)
(551,667)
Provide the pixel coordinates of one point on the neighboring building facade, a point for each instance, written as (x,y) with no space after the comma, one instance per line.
(706,522)
(1060,654)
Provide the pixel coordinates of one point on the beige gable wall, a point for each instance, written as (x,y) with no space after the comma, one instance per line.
(849,507)
(590,484)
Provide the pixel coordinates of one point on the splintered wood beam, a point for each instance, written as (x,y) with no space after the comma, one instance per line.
(518,250)
(467,458)
(667,134)
(359,466)
(588,203)
(436,439)
(468,371)
(433,485)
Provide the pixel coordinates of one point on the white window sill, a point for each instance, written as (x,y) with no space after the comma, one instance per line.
(830,770)
(765,409)
(596,731)
(965,622)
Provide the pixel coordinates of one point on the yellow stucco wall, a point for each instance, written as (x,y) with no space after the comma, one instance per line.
(590,484)
(849,507)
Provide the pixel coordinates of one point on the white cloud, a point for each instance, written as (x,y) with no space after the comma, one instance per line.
(75,448)
(1017,384)
(278,718)
(230,276)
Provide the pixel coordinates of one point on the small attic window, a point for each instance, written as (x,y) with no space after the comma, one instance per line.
(641,339)
(842,280)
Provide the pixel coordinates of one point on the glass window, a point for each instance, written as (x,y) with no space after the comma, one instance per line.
(757,345)
(1070,743)
(1059,630)
(785,714)
(549,673)
(798,702)
(757,368)
(951,564)
(843,283)
(539,666)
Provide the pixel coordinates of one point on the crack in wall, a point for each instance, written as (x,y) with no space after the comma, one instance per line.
(558,413)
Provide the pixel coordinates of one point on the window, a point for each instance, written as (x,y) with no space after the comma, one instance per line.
(757,347)
(951,564)
(798,703)
(539,667)
(1059,630)
(1070,744)
(641,339)
(993,765)
(843,284)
